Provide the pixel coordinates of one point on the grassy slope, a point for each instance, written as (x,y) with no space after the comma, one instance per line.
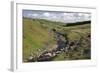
(36,35)
(75,33)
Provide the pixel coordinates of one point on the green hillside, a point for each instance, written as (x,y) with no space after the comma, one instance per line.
(38,36)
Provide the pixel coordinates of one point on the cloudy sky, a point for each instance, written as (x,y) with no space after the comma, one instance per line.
(66,17)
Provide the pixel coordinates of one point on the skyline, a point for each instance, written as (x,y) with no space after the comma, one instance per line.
(65,17)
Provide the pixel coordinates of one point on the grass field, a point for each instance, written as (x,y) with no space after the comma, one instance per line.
(38,37)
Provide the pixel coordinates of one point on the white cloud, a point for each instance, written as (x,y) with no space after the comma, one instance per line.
(68,16)
(32,15)
(80,14)
(87,15)
(46,14)
(65,14)
(35,15)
